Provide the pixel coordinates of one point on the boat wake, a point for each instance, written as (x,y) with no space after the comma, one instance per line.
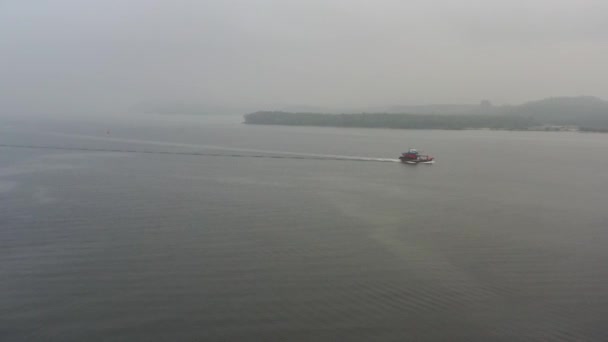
(194,149)
(206,147)
(270,154)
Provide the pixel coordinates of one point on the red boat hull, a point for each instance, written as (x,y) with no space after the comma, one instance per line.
(417,160)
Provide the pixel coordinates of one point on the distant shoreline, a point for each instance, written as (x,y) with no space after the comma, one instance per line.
(583,114)
(577,130)
(403,121)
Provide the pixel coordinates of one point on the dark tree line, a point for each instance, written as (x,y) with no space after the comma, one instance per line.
(383,120)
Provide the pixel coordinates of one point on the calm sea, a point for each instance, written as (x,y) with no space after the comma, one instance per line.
(239,232)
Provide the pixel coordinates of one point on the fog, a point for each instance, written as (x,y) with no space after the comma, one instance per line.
(109,56)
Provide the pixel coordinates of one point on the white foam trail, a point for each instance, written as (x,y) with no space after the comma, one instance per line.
(362,158)
(225,148)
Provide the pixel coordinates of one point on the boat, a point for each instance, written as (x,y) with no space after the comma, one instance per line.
(412,156)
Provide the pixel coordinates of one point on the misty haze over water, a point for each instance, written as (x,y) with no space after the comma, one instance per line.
(135,205)
(101,57)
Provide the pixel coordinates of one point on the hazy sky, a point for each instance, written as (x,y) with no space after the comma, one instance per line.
(70,55)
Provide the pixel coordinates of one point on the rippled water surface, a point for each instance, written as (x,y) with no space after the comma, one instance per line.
(239,232)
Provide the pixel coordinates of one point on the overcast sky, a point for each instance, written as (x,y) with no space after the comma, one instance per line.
(71,55)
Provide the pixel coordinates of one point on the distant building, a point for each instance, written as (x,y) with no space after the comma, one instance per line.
(485,106)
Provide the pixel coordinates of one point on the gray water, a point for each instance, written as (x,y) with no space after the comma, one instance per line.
(503,239)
